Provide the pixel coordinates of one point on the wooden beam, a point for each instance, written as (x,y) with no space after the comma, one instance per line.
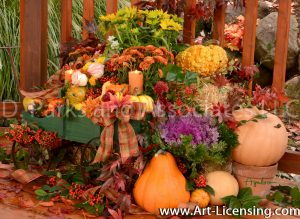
(282,42)
(219,24)
(88,15)
(66,21)
(290,162)
(134,2)
(249,39)
(189,26)
(10,109)
(111,6)
(33,43)
(250,32)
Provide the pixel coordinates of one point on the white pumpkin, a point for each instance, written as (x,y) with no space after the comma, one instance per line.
(224,184)
(79,79)
(261,143)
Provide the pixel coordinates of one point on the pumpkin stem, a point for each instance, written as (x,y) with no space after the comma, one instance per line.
(161,151)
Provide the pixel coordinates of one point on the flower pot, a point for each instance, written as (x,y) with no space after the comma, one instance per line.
(260,179)
(4,143)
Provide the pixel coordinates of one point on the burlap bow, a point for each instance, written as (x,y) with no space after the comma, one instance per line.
(127,139)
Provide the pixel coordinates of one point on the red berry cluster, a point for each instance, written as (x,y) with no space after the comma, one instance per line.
(95,199)
(181,167)
(112,79)
(47,139)
(76,191)
(200,181)
(21,134)
(189,91)
(52,181)
(93,92)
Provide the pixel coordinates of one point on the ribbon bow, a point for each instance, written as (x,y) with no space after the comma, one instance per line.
(122,112)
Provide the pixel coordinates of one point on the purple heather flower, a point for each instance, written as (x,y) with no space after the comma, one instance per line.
(201,128)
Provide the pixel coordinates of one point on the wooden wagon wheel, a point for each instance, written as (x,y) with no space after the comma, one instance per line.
(88,150)
(46,162)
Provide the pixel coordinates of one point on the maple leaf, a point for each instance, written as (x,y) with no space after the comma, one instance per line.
(248,72)
(119,182)
(221,112)
(124,202)
(115,214)
(268,98)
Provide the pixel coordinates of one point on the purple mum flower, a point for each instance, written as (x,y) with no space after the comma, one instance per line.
(201,128)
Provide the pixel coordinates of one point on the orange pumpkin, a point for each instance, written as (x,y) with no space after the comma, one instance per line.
(122,88)
(161,185)
(261,143)
(200,197)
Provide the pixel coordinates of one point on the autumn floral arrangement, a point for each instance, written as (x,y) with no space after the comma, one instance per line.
(171,119)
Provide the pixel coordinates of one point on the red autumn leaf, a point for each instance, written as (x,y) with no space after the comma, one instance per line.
(220,81)
(115,214)
(119,182)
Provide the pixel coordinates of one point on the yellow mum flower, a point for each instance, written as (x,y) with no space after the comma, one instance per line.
(86,66)
(169,24)
(93,81)
(205,60)
(109,17)
(101,60)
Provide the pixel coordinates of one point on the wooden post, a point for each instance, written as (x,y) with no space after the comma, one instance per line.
(88,15)
(111,6)
(33,43)
(219,24)
(134,2)
(249,35)
(282,42)
(66,21)
(189,27)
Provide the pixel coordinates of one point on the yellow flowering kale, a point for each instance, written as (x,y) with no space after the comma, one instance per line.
(205,60)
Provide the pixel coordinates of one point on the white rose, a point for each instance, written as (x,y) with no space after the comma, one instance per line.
(96,70)
(79,79)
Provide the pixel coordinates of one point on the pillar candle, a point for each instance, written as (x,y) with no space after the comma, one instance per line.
(136,82)
(68,76)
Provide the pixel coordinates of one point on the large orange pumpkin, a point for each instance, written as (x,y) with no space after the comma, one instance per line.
(261,143)
(161,185)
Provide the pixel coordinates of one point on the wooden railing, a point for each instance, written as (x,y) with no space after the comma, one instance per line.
(34,42)
(34,35)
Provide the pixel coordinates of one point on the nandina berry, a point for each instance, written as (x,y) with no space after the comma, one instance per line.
(200,181)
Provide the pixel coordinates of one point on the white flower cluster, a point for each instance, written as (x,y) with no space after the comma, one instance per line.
(114,43)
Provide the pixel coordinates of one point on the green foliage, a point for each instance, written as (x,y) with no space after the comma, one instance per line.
(96,209)
(285,196)
(174,73)
(46,192)
(244,200)
(230,138)
(4,157)
(195,156)
(132,27)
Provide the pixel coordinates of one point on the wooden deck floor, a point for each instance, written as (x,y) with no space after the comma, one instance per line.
(23,205)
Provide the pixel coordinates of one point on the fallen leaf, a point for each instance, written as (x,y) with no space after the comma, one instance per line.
(26,203)
(67,201)
(4,174)
(47,204)
(67,210)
